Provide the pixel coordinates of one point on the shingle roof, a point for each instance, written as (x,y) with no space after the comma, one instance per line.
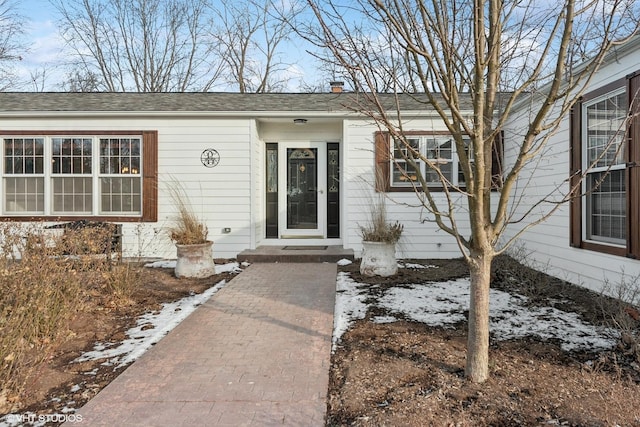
(198,102)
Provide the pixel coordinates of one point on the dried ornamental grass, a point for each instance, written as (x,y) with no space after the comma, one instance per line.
(187,228)
(378,228)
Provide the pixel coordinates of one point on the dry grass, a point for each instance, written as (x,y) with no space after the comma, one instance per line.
(378,228)
(44,279)
(622,312)
(187,228)
(121,282)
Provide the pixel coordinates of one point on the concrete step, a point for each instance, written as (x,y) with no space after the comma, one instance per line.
(295,254)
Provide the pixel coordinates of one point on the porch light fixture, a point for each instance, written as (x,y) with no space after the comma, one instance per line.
(300,121)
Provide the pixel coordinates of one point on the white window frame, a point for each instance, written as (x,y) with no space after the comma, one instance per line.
(620,166)
(423,145)
(95,175)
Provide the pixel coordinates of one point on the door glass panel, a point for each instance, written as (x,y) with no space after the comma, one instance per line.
(302,189)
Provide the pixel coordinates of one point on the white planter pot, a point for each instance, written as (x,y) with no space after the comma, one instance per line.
(195,261)
(378,259)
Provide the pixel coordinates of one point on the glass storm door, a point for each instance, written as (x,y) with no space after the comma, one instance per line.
(303,201)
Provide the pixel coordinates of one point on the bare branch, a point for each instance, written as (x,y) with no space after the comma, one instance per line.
(139,45)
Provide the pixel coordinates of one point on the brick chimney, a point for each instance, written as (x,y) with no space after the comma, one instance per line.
(336,87)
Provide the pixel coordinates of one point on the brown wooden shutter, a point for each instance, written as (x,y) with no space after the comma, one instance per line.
(633,175)
(150,178)
(383,161)
(575,167)
(497,156)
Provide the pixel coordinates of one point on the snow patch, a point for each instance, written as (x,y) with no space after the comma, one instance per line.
(150,328)
(416,266)
(344,262)
(349,306)
(446,303)
(231,267)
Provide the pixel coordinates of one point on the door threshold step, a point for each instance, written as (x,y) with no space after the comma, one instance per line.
(292,253)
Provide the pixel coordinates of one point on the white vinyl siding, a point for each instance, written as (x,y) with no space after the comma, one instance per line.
(220,195)
(547,245)
(421,238)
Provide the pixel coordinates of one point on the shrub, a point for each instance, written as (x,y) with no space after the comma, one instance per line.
(39,293)
(46,278)
(121,282)
(620,304)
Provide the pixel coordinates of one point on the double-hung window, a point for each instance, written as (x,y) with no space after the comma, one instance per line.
(435,157)
(604,163)
(605,169)
(59,176)
(24,175)
(403,172)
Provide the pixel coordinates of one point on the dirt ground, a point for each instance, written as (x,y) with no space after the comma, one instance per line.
(49,388)
(409,374)
(397,374)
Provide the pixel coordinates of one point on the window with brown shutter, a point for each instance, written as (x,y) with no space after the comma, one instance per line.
(395,174)
(66,175)
(605,175)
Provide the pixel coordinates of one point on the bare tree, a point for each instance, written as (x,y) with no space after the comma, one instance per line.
(248,38)
(77,81)
(139,45)
(11,45)
(489,53)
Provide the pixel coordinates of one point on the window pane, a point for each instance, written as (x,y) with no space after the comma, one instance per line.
(120,156)
(440,152)
(402,173)
(23,155)
(606,207)
(71,156)
(72,195)
(24,195)
(121,195)
(605,131)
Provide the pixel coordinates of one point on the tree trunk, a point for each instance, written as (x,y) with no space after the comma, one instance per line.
(477,369)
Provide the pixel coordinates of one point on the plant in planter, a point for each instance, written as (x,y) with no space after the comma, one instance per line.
(189,233)
(379,239)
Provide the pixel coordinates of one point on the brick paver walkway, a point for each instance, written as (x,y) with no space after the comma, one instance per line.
(256,354)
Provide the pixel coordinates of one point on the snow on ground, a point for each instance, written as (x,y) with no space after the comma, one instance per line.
(445,303)
(151,327)
(349,306)
(413,265)
(231,267)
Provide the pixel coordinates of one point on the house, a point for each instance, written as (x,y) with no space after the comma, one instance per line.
(261,169)
(293,169)
(595,239)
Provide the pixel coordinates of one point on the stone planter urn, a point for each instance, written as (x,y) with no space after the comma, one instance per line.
(195,261)
(378,259)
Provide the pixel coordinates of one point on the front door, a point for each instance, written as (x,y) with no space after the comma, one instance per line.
(302,196)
